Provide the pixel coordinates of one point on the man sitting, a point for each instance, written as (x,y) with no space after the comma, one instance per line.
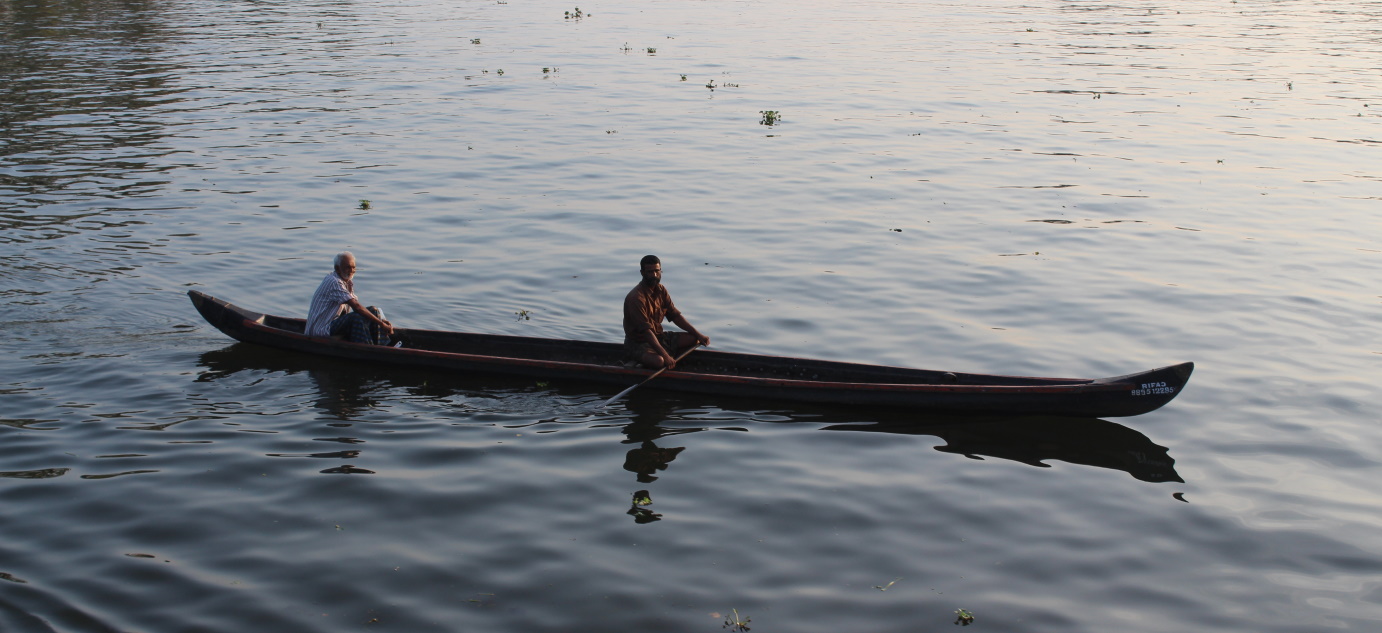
(336,311)
(645,308)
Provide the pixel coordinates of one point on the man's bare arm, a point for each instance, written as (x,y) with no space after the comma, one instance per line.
(355,305)
(680,321)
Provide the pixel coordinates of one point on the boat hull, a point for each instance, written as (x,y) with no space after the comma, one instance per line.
(723,373)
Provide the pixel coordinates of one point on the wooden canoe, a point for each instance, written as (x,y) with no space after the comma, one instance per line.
(728,373)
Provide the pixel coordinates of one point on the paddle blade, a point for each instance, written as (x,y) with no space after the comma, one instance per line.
(619,395)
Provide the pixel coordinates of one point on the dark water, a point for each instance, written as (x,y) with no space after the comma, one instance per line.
(1058,188)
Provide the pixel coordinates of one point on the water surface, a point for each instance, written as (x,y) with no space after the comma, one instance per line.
(1059,188)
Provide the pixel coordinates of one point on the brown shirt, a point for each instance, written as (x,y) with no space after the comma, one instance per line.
(645,309)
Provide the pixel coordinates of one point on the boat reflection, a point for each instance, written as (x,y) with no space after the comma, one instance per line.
(344,393)
(1038,439)
(1031,440)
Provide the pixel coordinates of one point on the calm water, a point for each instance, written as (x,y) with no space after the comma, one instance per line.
(1069,188)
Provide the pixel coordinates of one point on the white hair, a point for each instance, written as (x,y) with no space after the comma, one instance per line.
(341,258)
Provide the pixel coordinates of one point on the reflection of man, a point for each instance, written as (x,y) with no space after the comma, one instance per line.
(645,308)
(648,459)
(336,311)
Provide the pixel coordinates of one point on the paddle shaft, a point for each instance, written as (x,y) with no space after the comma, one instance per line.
(657,373)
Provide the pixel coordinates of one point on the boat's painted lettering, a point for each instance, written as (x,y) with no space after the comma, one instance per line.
(1153,389)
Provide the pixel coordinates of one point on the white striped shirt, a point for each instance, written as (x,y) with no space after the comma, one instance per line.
(328,302)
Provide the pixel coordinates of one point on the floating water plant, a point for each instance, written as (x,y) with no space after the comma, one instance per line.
(733,622)
(770,117)
(683,77)
(963,617)
(523,315)
(474,40)
(575,15)
(500,72)
(640,514)
(365,204)
(652,51)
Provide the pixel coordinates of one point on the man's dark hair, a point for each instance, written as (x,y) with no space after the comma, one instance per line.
(647,261)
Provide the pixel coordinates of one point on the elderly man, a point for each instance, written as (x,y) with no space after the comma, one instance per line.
(336,311)
(645,308)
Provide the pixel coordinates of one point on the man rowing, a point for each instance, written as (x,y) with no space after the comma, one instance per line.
(645,308)
(336,311)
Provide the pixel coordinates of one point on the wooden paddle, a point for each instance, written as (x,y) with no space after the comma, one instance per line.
(657,373)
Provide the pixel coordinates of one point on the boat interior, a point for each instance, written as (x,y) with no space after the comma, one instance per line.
(703,361)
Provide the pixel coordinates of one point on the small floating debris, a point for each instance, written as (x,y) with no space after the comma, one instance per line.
(733,623)
(885,587)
